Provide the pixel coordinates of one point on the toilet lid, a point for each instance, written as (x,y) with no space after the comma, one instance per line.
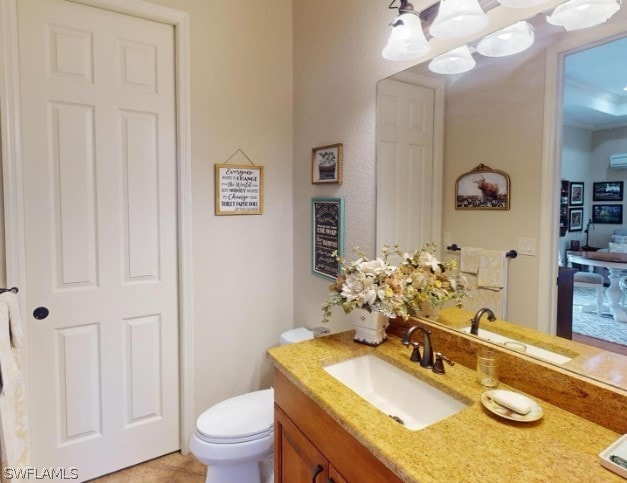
(238,419)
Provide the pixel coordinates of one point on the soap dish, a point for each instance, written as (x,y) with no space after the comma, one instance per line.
(491,405)
(616,452)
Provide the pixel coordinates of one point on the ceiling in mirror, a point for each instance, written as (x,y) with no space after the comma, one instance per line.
(595,91)
(595,85)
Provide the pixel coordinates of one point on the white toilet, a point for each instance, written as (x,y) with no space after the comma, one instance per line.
(234,436)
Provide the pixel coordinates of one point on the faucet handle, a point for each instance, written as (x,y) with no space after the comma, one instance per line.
(415,353)
(438,365)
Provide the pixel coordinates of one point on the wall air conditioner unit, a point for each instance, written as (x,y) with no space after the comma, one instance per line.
(618,161)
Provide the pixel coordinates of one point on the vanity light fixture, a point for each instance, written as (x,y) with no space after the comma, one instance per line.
(521,3)
(407,40)
(455,61)
(458,18)
(581,14)
(508,41)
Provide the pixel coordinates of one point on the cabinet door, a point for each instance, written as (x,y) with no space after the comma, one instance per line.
(296,459)
(334,476)
(355,463)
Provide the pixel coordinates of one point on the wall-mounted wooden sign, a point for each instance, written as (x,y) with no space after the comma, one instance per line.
(327,236)
(238,189)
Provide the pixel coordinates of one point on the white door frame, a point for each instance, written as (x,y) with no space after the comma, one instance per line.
(11,138)
(551,166)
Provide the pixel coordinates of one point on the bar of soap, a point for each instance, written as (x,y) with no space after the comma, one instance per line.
(514,401)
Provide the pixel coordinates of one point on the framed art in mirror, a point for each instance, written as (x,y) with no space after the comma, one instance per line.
(575,194)
(607,214)
(483,188)
(607,191)
(575,219)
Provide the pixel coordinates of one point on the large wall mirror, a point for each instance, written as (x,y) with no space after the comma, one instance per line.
(507,113)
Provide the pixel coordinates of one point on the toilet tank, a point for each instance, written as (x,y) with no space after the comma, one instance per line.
(296,335)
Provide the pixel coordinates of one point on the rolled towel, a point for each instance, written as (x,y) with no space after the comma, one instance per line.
(511,400)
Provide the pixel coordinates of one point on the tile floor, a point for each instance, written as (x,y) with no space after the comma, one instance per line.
(171,468)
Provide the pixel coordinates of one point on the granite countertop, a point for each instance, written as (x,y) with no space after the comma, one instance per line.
(472,445)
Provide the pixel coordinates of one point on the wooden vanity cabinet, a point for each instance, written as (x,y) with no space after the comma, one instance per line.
(299,459)
(310,446)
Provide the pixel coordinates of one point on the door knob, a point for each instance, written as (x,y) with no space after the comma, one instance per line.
(40,313)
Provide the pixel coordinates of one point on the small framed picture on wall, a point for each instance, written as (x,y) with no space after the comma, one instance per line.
(575,219)
(575,193)
(607,191)
(482,188)
(607,214)
(327,236)
(326,164)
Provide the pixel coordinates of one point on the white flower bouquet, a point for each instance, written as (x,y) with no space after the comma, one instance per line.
(401,290)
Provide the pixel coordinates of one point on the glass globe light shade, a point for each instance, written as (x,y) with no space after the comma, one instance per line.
(407,40)
(581,14)
(508,41)
(458,18)
(455,61)
(521,3)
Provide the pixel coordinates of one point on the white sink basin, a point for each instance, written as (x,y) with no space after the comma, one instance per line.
(395,392)
(532,350)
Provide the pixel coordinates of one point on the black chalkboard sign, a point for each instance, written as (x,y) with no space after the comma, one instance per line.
(327,235)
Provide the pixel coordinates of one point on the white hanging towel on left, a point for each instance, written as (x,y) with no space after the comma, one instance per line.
(469,260)
(15,447)
(486,273)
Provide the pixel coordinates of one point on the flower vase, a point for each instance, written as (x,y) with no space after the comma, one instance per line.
(429,311)
(370,328)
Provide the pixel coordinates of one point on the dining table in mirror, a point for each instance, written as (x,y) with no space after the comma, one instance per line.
(523,115)
(616,265)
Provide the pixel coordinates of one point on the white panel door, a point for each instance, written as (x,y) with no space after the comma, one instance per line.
(405,138)
(98,113)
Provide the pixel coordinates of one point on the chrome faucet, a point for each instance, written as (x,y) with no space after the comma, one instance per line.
(427,356)
(474,322)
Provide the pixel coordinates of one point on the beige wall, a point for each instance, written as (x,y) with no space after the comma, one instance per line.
(241,97)
(498,121)
(337,63)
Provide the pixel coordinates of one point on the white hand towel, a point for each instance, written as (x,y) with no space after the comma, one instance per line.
(14,427)
(492,272)
(469,260)
(15,321)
